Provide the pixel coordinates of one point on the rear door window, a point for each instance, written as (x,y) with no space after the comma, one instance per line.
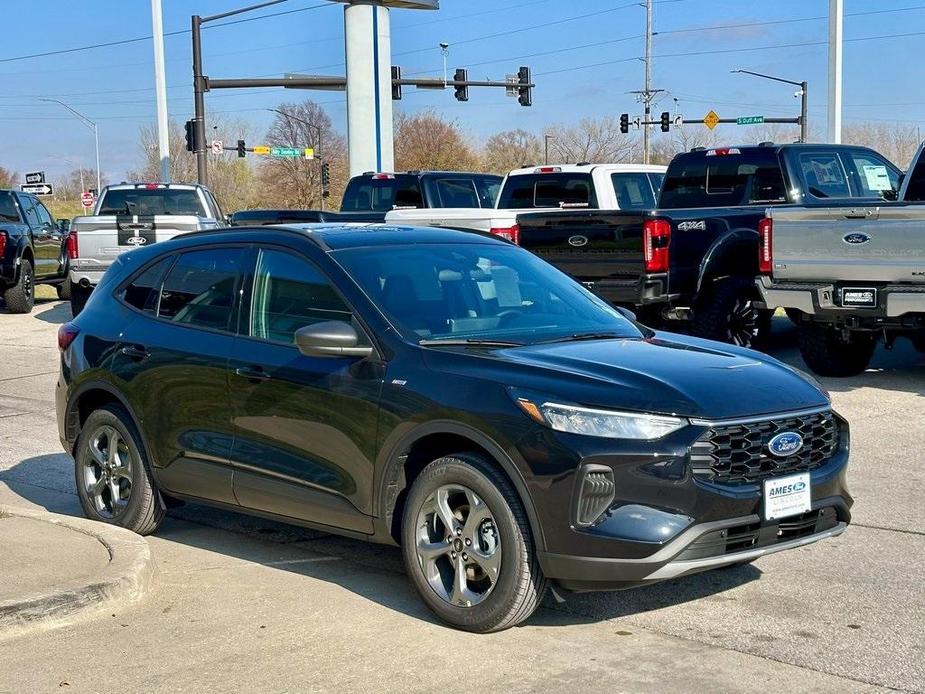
(824,175)
(8,211)
(45,218)
(142,292)
(634,191)
(152,201)
(548,190)
(200,288)
(29,213)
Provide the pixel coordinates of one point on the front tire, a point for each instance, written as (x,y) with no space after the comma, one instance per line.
(64,290)
(827,353)
(113,477)
(467,545)
(727,312)
(20,298)
(79,298)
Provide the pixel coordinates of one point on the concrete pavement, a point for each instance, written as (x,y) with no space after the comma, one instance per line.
(244,604)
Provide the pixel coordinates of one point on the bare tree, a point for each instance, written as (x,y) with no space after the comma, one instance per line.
(511,149)
(427,141)
(682,139)
(7,177)
(296,182)
(598,141)
(896,141)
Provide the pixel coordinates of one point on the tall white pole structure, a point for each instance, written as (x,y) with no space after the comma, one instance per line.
(648,88)
(836,36)
(368,48)
(160,84)
(96,136)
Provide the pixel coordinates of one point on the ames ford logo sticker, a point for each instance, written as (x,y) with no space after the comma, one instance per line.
(785,444)
(855,238)
(578,241)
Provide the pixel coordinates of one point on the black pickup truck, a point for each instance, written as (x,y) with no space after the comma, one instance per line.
(31,250)
(695,257)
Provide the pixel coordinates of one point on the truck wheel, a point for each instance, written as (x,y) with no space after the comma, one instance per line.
(64,290)
(727,313)
(828,354)
(467,545)
(79,297)
(21,296)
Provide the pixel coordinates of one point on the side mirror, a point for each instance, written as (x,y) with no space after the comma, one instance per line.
(629,315)
(331,339)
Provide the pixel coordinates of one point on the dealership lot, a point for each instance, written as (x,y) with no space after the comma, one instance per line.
(236,598)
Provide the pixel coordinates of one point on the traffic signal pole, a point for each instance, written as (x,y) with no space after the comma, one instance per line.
(199,104)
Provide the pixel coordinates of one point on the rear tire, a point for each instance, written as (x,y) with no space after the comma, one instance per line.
(79,297)
(114,483)
(826,353)
(64,290)
(726,312)
(20,298)
(492,548)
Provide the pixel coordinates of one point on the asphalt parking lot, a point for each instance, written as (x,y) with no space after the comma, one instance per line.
(240,603)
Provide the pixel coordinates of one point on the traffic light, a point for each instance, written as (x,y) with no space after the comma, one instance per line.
(624,123)
(191,143)
(462,91)
(524,91)
(242,149)
(325,176)
(396,88)
(666,121)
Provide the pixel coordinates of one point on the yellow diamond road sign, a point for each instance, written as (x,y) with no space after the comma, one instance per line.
(711,119)
(260,149)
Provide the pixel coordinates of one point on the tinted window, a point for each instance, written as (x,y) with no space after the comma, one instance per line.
(44,215)
(634,191)
(199,289)
(457,192)
(290,293)
(142,291)
(488,187)
(28,210)
(915,191)
(875,175)
(824,175)
(8,211)
(548,190)
(368,194)
(151,201)
(723,180)
(477,291)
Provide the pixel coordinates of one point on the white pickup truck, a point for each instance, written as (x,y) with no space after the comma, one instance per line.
(547,188)
(129,215)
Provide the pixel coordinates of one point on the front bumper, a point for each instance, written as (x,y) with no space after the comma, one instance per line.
(898,305)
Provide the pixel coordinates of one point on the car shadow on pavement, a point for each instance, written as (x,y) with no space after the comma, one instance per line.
(45,480)
(59,313)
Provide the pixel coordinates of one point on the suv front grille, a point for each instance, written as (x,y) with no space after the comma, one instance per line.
(738,453)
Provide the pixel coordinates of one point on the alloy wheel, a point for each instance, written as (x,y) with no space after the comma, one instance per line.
(107,472)
(27,287)
(458,545)
(743,323)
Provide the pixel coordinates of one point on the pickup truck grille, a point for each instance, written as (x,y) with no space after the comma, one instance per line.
(738,453)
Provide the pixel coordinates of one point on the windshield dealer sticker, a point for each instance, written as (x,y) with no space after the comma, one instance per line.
(787,496)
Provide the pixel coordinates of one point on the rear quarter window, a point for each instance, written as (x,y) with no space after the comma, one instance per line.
(8,211)
(142,291)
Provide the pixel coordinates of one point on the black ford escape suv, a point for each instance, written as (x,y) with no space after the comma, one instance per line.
(445,391)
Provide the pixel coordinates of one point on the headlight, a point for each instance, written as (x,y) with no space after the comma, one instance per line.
(603,423)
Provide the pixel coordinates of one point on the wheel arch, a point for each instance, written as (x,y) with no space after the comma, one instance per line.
(411,453)
(724,257)
(90,396)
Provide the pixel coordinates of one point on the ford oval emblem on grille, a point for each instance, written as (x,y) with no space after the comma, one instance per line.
(855,238)
(785,444)
(578,240)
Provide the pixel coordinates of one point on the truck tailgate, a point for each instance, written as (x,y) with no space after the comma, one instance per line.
(859,243)
(101,239)
(590,245)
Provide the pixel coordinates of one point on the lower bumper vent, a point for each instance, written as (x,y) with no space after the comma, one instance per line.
(595,494)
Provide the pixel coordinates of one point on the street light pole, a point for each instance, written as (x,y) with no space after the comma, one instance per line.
(547,138)
(96,137)
(804,98)
(318,129)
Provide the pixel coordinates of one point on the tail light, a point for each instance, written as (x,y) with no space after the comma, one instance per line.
(2,244)
(765,249)
(656,235)
(70,245)
(67,333)
(511,234)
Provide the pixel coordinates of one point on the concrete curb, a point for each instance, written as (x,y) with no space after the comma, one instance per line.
(124,580)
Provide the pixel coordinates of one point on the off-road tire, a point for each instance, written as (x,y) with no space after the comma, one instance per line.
(144,509)
(720,313)
(20,298)
(64,290)
(520,585)
(826,353)
(79,297)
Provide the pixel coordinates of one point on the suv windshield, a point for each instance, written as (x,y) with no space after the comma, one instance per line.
(548,190)
(152,201)
(478,292)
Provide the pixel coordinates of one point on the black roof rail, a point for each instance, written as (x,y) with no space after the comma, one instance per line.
(583,163)
(368,173)
(698,149)
(766,143)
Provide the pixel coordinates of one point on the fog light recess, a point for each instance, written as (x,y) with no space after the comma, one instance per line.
(595,495)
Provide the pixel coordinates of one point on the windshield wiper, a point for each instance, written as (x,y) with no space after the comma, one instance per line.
(450,342)
(577,337)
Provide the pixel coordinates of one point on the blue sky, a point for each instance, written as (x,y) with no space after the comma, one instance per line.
(584,55)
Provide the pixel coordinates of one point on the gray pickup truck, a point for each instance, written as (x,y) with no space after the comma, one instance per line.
(129,215)
(849,273)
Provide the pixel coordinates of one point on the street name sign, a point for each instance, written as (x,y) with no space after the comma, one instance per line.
(749,120)
(286,152)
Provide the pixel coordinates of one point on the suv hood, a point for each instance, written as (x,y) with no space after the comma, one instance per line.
(667,374)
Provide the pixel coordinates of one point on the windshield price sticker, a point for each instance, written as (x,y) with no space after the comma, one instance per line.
(787,496)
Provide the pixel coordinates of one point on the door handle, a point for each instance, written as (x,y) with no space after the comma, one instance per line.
(252,373)
(133,352)
(858,214)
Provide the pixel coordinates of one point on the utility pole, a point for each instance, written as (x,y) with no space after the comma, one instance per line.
(160,84)
(647,97)
(836,36)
